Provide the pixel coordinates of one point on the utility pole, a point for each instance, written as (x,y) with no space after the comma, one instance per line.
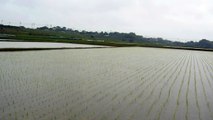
(2,22)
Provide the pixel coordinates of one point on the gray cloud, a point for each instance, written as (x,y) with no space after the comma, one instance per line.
(172,19)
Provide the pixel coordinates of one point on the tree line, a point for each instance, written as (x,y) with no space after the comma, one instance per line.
(58,32)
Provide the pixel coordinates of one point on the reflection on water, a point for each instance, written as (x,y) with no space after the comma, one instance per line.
(7,44)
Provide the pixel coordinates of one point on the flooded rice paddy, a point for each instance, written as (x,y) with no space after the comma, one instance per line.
(106,84)
(9,44)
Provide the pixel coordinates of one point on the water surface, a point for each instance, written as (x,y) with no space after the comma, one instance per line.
(9,44)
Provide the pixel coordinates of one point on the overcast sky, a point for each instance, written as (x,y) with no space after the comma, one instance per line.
(171,19)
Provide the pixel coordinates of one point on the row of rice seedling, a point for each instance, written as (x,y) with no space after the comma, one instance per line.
(111,83)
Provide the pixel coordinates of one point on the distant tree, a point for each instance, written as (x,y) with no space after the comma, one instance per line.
(190,44)
(205,44)
(58,28)
(92,36)
(43,28)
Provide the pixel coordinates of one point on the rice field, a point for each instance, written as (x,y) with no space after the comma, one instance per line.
(106,84)
(12,44)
